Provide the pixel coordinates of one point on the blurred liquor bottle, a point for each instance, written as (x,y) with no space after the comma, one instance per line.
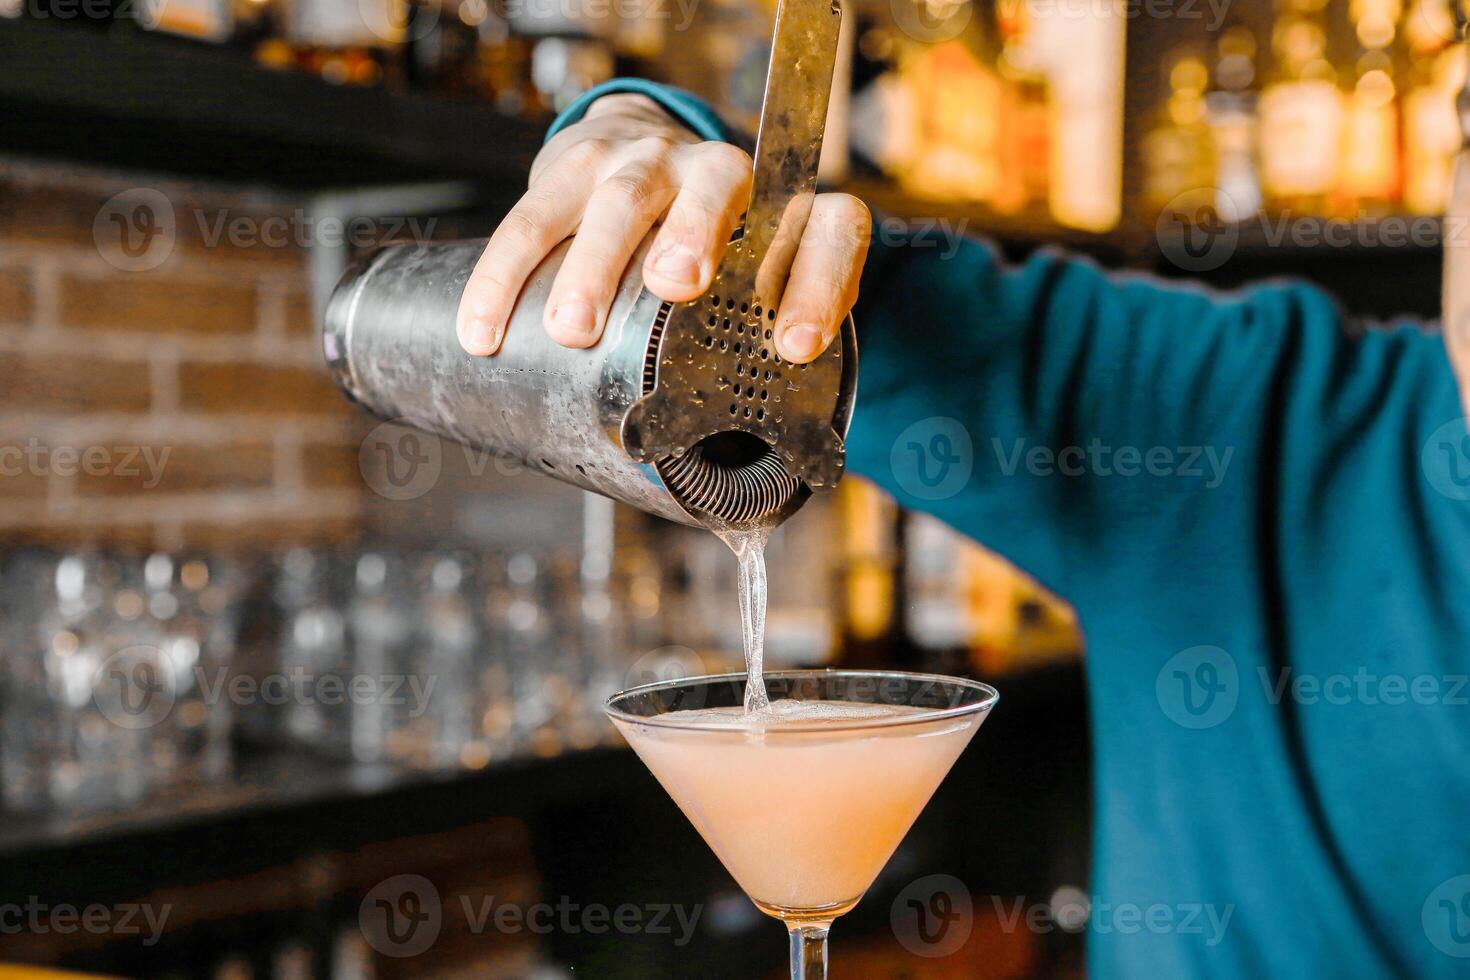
(719,50)
(930,110)
(1179,150)
(1301,113)
(344,43)
(1369,176)
(256,21)
(1011,105)
(1026,113)
(958,98)
(870,569)
(1083,44)
(571,49)
(968,609)
(803,573)
(884,128)
(202,20)
(441,45)
(503,62)
(1232,108)
(936,591)
(562,68)
(1436,74)
(934,122)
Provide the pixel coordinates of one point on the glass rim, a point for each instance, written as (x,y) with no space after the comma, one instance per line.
(989,698)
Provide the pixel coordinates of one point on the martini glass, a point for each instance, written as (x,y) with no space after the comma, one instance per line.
(806,803)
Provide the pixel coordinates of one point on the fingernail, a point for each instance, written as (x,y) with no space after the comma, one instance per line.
(479,334)
(678,263)
(801,341)
(575,316)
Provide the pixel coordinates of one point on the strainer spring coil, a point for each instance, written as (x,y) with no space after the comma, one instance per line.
(734,494)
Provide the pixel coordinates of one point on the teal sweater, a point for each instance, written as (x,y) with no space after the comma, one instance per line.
(1261,516)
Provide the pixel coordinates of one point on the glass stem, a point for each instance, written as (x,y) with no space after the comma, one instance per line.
(809,950)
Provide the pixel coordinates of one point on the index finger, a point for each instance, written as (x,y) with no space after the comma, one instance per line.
(540,221)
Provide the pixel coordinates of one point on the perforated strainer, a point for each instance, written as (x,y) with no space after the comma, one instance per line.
(684,410)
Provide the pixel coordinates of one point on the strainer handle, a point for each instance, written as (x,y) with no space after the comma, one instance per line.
(789,143)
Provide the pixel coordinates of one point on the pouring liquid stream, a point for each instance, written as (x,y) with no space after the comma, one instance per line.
(749,545)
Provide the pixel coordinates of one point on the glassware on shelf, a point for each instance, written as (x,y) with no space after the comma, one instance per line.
(312,643)
(439,730)
(124,675)
(457,660)
(111,669)
(380,651)
(192,615)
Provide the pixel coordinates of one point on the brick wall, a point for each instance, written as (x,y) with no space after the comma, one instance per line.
(163,389)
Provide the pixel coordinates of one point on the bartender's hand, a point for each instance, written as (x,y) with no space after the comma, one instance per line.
(608,179)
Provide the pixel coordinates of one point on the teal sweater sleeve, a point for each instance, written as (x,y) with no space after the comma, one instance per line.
(1260,512)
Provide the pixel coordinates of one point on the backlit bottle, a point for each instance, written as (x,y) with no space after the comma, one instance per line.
(1431,126)
(1301,115)
(1369,178)
(1179,151)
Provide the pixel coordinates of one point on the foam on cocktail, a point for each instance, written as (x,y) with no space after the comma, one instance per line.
(790,712)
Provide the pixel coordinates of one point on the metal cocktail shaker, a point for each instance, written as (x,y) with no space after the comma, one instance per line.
(683,410)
